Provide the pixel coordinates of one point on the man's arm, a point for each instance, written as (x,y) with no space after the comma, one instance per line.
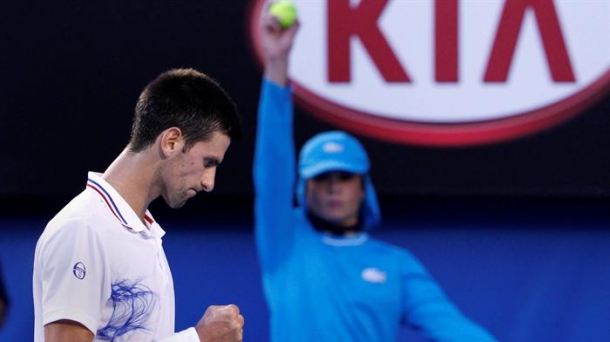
(67,331)
(219,323)
(274,159)
(68,306)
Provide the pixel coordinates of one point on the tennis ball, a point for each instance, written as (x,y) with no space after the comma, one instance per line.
(285,11)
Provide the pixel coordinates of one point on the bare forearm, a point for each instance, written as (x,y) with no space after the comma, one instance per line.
(67,331)
(276,70)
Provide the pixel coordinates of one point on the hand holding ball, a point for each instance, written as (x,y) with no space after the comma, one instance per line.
(284,11)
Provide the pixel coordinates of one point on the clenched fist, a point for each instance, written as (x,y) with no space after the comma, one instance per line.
(221,323)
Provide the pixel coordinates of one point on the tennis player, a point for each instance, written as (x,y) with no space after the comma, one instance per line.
(100,272)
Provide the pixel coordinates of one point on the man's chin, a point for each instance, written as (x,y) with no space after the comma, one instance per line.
(176,205)
(335,219)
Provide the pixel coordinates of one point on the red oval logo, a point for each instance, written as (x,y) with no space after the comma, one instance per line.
(447,72)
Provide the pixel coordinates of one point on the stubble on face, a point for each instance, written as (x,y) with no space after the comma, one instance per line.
(190,167)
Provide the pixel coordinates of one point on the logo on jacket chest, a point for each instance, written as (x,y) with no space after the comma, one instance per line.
(374,275)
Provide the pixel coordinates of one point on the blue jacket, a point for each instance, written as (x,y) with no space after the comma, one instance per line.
(338,289)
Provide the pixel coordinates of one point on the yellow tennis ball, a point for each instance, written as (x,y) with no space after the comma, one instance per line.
(285,11)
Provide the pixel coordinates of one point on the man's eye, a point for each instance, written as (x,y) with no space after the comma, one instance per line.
(210,163)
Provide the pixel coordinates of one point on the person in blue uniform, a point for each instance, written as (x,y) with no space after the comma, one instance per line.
(324,277)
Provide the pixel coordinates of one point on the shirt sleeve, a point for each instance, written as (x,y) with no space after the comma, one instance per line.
(274,175)
(188,335)
(74,275)
(427,308)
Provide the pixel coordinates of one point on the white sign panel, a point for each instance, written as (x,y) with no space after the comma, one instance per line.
(448,72)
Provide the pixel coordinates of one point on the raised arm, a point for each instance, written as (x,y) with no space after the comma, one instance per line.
(277,43)
(274,159)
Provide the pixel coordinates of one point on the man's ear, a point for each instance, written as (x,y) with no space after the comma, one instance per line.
(171,141)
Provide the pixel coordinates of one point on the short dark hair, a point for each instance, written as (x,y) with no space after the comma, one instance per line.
(189,100)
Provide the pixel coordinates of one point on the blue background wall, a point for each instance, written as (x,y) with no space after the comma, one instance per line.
(527,270)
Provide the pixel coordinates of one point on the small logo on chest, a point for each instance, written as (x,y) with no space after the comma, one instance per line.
(79,270)
(374,275)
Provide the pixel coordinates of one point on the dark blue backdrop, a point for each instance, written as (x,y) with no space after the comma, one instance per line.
(526,270)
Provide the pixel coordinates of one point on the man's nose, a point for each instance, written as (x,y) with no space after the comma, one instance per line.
(207,180)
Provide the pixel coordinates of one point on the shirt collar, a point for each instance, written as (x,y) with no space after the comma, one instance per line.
(351,240)
(119,207)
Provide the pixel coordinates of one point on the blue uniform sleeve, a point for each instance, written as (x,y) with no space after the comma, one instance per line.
(274,175)
(427,308)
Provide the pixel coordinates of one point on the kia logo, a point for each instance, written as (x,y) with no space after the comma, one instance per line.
(447,72)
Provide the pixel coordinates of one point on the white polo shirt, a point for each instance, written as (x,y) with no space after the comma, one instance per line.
(97,264)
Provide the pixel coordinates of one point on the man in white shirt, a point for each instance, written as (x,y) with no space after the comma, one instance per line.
(100,272)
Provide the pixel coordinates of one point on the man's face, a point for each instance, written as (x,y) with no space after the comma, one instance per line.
(194,170)
(336,197)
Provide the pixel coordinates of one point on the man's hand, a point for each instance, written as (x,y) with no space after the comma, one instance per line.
(221,324)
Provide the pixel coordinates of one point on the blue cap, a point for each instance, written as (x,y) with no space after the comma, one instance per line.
(332,151)
(338,151)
